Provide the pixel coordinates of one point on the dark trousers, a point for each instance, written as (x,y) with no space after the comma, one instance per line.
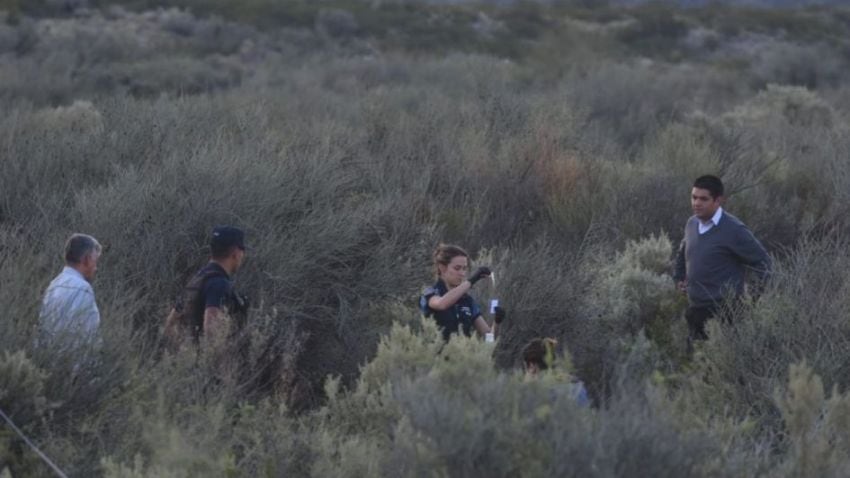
(697,317)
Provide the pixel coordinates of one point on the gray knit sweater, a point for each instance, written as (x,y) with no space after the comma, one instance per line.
(715,263)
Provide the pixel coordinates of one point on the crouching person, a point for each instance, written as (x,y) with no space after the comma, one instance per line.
(539,355)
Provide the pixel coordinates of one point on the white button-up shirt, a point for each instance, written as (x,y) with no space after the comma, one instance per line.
(69,306)
(715,220)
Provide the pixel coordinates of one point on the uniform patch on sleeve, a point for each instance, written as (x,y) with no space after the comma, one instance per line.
(423,301)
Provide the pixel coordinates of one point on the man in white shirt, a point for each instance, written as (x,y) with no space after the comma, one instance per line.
(705,226)
(69,308)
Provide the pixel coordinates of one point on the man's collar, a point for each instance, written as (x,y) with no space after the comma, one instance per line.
(715,219)
(74,272)
(717,215)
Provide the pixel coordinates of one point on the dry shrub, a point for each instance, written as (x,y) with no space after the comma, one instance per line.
(572,192)
(22,399)
(795,105)
(345,166)
(792,144)
(630,298)
(80,117)
(788,63)
(455,414)
(22,390)
(815,424)
(798,317)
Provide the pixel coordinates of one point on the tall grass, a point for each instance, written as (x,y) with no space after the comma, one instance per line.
(347,151)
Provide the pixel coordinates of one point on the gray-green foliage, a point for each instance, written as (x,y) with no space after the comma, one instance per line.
(22,395)
(554,151)
(799,317)
(816,426)
(635,287)
(419,409)
(631,296)
(22,400)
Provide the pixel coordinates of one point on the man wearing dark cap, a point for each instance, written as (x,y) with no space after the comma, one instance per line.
(209,298)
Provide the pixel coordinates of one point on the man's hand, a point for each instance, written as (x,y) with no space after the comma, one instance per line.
(499,315)
(479,274)
(682,286)
(171,332)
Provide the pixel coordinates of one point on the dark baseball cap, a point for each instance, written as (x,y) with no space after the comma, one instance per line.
(225,237)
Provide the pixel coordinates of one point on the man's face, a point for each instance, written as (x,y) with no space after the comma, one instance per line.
(703,204)
(88,266)
(239,257)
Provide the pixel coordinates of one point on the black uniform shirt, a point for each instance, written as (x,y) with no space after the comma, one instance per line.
(218,289)
(460,316)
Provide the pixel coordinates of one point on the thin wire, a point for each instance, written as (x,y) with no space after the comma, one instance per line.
(32,445)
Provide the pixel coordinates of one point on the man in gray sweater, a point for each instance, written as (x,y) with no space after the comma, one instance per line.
(714,257)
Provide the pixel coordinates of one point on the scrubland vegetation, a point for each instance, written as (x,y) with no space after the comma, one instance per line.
(556,142)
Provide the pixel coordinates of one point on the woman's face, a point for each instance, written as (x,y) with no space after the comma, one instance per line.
(455,272)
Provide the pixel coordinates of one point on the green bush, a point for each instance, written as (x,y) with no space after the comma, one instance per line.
(630,298)
(654,28)
(22,399)
(798,317)
(451,411)
(814,425)
(349,138)
(22,390)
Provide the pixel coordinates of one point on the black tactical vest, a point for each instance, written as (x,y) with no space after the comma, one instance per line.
(191,305)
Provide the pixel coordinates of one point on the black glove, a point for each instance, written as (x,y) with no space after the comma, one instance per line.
(499,315)
(479,274)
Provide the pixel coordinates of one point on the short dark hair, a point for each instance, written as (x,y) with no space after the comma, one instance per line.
(710,183)
(78,246)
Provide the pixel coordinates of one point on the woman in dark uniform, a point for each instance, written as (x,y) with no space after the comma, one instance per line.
(447,301)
